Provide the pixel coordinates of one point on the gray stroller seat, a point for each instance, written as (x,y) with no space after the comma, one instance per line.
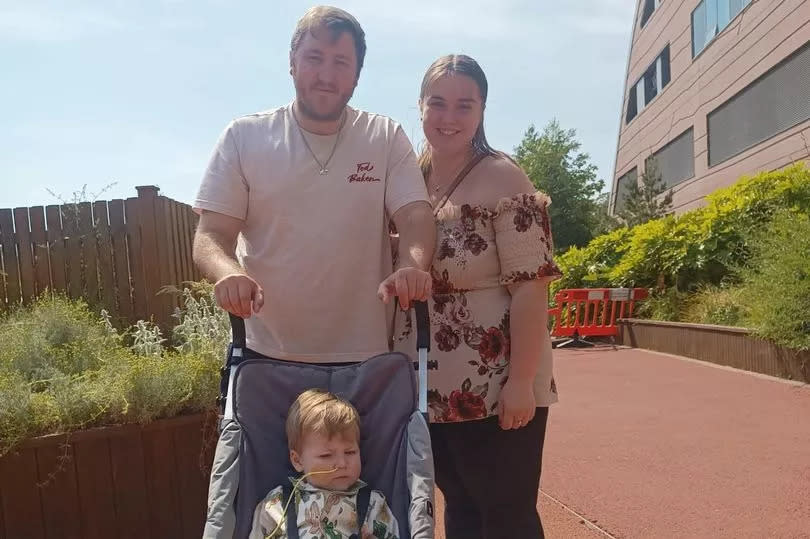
(252,456)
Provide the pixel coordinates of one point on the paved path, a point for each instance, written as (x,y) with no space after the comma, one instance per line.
(647,445)
(558,521)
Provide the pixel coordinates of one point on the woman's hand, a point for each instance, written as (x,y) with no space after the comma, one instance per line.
(516,404)
(408,284)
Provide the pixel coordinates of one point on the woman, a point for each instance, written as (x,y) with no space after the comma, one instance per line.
(489,395)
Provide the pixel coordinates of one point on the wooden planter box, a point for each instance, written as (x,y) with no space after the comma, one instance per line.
(128,481)
(730,346)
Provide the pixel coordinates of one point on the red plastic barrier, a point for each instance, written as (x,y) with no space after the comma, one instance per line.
(592,312)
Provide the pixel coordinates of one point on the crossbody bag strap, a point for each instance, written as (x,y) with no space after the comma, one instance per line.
(461,175)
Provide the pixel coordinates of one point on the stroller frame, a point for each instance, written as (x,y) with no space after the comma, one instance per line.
(395,443)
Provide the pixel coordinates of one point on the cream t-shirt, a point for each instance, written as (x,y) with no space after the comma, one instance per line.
(317,244)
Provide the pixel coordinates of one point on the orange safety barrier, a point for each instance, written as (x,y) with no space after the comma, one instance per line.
(592,312)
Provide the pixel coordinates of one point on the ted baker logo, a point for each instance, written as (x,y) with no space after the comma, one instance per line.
(363,174)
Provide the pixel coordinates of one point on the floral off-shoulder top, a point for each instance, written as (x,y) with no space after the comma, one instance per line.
(479,253)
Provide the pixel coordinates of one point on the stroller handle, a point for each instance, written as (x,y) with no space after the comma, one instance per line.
(422,325)
(239,343)
(239,338)
(238,335)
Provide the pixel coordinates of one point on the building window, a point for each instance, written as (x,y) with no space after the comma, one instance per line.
(710,17)
(647,10)
(632,105)
(676,161)
(651,83)
(775,102)
(622,185)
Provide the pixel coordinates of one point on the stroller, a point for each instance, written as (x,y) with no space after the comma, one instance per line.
(252,457)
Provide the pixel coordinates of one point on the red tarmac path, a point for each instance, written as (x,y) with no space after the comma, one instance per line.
(648,445)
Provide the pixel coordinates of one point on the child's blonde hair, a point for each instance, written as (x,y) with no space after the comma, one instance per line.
(320,411)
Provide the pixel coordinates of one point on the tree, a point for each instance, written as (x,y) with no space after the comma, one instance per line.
(554,163)
(604,222)
(644,202)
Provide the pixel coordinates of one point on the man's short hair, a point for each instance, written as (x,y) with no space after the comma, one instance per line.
(319,411)
(336,21)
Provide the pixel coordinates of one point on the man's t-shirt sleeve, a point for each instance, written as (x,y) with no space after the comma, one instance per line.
(224,188)
(405,183)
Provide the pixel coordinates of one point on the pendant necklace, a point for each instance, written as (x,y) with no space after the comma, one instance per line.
(323,170)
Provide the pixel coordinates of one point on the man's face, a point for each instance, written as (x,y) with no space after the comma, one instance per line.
(324,70)
(319,453)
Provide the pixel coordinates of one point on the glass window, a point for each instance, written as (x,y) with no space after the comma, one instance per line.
(665,70)
(622,185)
(676,161)
(650,83)
(647,11)
(770,105)
(724,12)
(632,105)
(735,6)
(710,17)
(698,29)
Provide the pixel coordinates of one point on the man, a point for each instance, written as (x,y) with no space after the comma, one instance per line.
(311,187)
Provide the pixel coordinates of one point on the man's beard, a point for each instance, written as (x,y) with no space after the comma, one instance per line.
(310,112)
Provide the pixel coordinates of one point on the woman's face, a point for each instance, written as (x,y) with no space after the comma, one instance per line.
(451,113)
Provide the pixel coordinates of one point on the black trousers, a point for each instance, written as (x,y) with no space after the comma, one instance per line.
(490,477)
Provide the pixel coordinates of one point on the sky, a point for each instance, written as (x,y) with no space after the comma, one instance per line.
(104,96)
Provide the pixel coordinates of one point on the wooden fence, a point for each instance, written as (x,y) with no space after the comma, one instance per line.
(115,254)
(128,481)
(733,347)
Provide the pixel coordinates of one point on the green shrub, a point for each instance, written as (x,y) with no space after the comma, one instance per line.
(776,284)
(147,339)
(740,260)
(15,409)
(202,327)
(53,337)
(662,305)
(714,305)
(652,251)
(590,266)
(63,368)
(700,247)
(167,386)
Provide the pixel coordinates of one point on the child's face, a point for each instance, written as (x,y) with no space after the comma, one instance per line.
(320,453)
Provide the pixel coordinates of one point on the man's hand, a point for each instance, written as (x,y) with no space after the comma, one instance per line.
(408,284)
(239,294)
(214,245)
(516,404)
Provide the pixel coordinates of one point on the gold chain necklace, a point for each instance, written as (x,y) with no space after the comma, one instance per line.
(437,187)
(322,166)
